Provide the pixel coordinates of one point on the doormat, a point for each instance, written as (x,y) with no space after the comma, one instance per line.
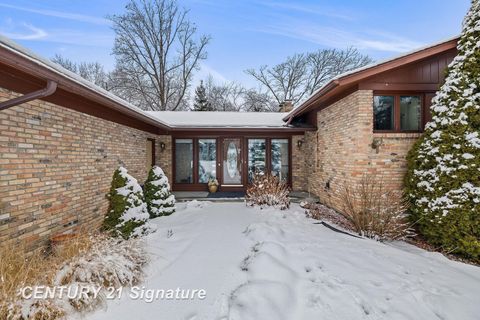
(227,194)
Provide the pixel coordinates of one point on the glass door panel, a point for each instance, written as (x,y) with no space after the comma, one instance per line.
(232,161)
(256,157)
(207,160)
(280,158)
(184,160)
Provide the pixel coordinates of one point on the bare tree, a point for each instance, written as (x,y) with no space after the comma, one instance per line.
(224,97)
(301,74)
(285,81)
(231,96)
(157,52)
(257,101)
(91,71)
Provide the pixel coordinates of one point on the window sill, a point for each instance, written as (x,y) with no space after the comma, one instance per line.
(393,134)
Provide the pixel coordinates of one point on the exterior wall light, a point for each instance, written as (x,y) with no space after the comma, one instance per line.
(300,143)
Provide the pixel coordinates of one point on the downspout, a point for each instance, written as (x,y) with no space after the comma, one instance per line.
(42,93)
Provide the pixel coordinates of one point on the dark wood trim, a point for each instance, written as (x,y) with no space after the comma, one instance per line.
(419,87)
(220,144)
(396,110)
(175,184)
(20,82)
(241,130)
(336,85)
(153,150)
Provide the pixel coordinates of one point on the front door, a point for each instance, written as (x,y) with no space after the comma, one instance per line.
(232,162)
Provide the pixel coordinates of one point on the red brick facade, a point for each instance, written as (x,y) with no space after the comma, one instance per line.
(56,166)
(340,152)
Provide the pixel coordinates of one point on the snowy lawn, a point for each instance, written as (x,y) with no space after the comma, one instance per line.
(270,264)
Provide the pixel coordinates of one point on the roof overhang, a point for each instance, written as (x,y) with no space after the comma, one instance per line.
(41,71)
(289,130)
(352,78)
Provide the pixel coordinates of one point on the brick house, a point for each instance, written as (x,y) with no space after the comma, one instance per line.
(61,138)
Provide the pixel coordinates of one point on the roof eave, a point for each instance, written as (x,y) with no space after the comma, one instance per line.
(238,129)
(9,56)
(366,72)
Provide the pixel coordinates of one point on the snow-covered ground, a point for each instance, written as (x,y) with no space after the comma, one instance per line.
(270,264)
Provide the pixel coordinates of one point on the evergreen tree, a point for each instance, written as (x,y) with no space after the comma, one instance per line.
(201,102)
(127,212)
(160,201)
(443,180)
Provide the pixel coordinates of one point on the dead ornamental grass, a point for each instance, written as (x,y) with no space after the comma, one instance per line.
(89,259)
(375,211)
(268,190)
(17,270)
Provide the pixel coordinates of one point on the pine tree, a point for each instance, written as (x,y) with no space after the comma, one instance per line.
(443,180)
(201,102)
(160,201)
(127,212)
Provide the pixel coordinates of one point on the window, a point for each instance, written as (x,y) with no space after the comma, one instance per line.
(183,160)
(410,113)
(256,157)
(397,113)
(383,113)
(207,160)
(280,157)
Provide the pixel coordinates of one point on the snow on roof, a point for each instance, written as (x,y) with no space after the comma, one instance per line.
(214,119)
(12,46)
(369,66)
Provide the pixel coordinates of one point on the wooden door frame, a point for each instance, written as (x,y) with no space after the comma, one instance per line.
(153,151)
(221,157)
(219,151)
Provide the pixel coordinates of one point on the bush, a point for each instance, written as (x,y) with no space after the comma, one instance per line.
(268,190)
(443,179)
(376,212)
(108,262)
(127,212)
(160,201)
(88,260)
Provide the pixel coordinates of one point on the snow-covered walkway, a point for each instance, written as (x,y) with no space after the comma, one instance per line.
(269,264)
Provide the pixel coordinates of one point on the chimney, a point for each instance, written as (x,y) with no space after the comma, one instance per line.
(286,106)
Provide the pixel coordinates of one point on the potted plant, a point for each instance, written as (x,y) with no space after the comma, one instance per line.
(212,185)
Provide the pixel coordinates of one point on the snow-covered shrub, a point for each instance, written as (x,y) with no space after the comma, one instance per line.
(109,262)
(268,190)
(374,211)
(88,260)
(443,180)
(160,201)
(31,309)
(127,213)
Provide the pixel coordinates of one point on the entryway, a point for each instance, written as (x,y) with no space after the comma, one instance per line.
(232,160)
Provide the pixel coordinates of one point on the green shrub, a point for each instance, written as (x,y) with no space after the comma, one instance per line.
(127,211)
(160,201)
(443,180)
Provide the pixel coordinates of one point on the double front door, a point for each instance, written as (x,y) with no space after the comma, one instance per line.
(231,160)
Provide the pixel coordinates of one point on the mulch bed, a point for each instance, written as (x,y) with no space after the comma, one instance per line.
(320,212)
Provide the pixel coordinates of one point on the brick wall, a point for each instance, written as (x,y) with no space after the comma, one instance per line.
(56,166)
(340,152)
(298,164)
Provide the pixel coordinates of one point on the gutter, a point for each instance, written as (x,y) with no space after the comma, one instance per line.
(26,61)
(42,93)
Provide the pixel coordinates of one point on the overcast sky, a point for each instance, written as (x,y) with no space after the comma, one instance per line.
(245,33)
